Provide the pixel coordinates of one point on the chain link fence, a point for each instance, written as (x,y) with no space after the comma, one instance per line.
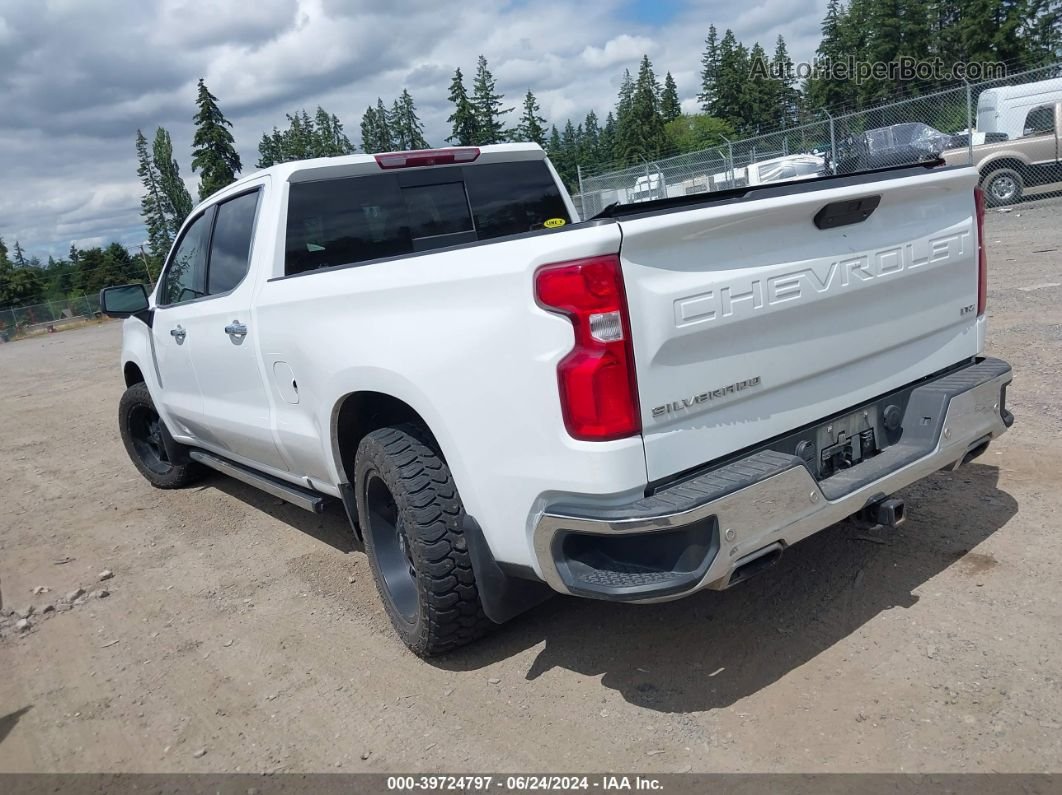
(50,316)
(1009,128)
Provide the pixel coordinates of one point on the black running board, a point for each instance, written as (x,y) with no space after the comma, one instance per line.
(311,501)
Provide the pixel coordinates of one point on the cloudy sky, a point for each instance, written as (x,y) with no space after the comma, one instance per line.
(78,77)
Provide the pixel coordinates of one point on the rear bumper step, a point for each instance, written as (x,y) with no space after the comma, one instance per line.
(710,530)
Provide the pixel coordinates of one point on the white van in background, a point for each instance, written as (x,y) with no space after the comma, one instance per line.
(1003,109)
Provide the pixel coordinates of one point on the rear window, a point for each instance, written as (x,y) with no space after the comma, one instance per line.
(356,219)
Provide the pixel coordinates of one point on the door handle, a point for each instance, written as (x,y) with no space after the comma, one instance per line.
(178,334)
(236,329)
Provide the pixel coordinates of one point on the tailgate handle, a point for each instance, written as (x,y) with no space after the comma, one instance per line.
(850,211)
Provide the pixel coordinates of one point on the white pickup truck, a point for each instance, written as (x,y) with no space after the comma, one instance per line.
(510,401)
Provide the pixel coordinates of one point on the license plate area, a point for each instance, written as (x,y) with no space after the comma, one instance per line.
(846,441)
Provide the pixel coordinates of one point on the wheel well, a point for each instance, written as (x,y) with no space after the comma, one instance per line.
(361,413)
(1004,162)
(132,374)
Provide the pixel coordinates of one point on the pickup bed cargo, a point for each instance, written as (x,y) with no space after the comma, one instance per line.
(510,401)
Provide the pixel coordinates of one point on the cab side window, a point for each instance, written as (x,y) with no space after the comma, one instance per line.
(185,277)
(230,245)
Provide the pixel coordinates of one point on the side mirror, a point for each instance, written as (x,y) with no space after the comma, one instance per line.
(123,301)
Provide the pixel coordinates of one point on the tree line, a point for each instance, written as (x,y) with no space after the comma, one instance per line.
(742,91)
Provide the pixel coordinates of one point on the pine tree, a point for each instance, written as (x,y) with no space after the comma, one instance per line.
(670,108)
(642,137)
(730,91)
(556,152)
(759,103)
(626,136)
(820,90)
(305,137)
(487,105)
(269,149)
(214,153)
(590,154)
(376,132)
(1043,31)
(153,202)
(569,162)
(177,202)
(606,150)
(464,124)
(531,127)
(405,124)
(787,98)
(709,70)
(19,258)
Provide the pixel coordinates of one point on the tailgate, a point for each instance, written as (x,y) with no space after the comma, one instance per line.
(750,321)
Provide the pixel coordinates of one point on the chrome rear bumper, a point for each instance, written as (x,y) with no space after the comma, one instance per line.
(698,533)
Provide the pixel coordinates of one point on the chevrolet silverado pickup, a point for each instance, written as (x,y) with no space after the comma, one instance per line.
(509,401)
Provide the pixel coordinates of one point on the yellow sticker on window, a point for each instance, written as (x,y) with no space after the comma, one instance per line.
(553,223)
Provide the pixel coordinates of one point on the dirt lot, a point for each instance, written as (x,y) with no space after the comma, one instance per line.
(244,634)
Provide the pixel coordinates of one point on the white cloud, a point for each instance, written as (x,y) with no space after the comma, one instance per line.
(623,49)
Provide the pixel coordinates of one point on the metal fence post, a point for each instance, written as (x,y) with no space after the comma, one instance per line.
(969,121)
(582,193)
(833,140)
(730,157)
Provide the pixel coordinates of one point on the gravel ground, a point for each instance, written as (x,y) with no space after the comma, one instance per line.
(242,634)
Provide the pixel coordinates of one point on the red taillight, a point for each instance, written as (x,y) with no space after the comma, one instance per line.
(982,253)
(598,385)
(427,157)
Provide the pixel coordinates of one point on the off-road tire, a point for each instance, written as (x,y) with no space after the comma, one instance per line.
(151,457)
(442,609)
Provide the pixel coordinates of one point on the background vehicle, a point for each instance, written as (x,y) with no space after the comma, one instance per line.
(1004,109)
(1010,168)
(510,402)
(896,145)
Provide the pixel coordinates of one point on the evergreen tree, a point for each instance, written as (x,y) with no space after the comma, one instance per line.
(405,124)
(569,142)
(376,133)
(606,149)
(177,202)
(153,202)
(642,137)
(464,124)
(822,91)
(590,151)
(557,154)
(709,70)
(531,127)
(487,105)
(670,108)
(1043,32)
(305,137)
(759,97)
(787,98)
(214,153)
(730,91)
(625,134)
(19,259)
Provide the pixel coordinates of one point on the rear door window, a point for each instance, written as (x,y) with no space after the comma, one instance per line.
(349,220)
